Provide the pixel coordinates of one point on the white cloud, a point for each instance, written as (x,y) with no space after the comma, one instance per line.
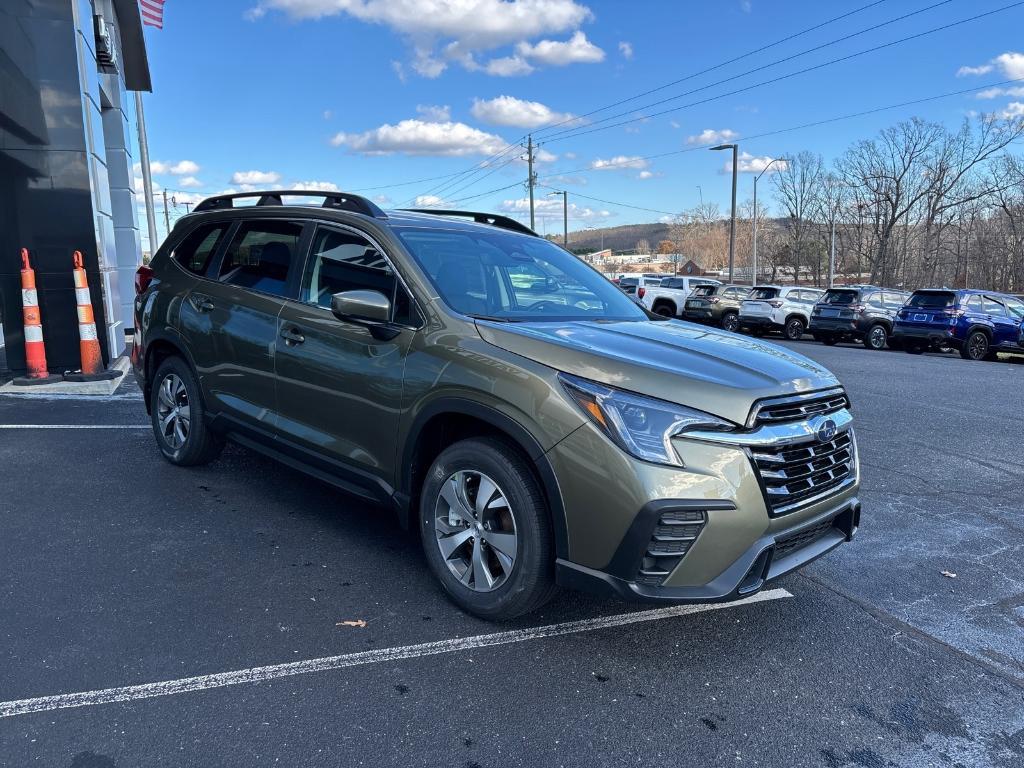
(644,175)
(555,53)
(1010,64)
(626,49)
(179,199)
(551,208)
(316,186)
(993,93)
(1013,109)
(710,136)
(508,66)
(250,178)
(619,163)
(751,164)
(399,70)
(457,28)
(190,181)
(434,113)
(429,201)
(179,168)
(517,113)
(419,137)
(328,114)
(382,199)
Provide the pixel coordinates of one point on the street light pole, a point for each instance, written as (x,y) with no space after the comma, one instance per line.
(753,259)
(732,217)
(565,216)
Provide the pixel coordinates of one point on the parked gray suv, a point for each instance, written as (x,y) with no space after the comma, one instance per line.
(531,421)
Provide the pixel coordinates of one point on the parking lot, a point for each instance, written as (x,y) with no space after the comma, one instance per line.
(905,648)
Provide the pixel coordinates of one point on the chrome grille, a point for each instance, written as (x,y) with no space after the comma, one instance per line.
(798,407)
(796,474)
(672,538)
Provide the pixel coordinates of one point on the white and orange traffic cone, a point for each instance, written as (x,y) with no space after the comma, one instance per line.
(35,350)
(89,343)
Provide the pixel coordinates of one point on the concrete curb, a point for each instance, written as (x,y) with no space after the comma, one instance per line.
(76,389)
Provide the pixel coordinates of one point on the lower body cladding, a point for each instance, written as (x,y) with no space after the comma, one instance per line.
(713,530)
(840,330)
(761,323)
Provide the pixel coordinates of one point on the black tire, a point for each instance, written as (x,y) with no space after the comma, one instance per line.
(829,341)
(794,329)
(200,445)
(976,346)
(531,582)
(731,322)
(665,310)
(876,338)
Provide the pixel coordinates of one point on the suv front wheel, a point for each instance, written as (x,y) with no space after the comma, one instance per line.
(179,418)
(486,531)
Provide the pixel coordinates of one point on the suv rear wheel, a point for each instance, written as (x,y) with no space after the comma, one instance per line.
(976,347)
(876,337)
(179,418)
(485,529)
(731,322)
(795,328)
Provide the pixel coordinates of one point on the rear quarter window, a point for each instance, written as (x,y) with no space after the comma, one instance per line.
(199,245)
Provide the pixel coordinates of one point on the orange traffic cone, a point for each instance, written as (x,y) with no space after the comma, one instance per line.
(89,344)
(35,350)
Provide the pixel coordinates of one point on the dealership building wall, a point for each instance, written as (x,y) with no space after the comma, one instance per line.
(67,69)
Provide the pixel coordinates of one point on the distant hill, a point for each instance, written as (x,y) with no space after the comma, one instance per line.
(622,238)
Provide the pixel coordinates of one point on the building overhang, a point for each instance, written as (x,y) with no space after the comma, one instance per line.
(135,62)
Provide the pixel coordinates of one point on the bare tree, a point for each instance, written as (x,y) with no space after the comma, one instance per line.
(798,188)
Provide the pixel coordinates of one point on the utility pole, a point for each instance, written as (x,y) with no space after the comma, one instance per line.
(832,253)
(530,178)
(167,215)
(147,179)
(565,215)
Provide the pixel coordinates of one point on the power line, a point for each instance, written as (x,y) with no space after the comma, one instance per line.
(572,133)
(470,172)
(733,60)
(612,202)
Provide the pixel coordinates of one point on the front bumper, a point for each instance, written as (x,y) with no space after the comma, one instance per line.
(614,506)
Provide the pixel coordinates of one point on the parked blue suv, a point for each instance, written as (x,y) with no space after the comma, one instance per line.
(977,323)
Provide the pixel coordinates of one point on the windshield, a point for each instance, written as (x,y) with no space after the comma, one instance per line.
(504,276)
(839,297)
(932,300)
(762,294)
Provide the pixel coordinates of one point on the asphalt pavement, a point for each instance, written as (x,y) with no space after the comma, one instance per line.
(217,599)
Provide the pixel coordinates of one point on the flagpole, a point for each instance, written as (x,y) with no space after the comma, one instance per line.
(147,179)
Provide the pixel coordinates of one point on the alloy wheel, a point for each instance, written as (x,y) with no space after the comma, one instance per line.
(731,322)
(977,346)
(476,530)
(173,412)
(878,337)
(794,330)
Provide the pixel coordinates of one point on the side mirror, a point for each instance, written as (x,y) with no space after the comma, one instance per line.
(370,308)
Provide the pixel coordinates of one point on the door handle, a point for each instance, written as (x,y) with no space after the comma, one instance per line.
(201,303)
(292,336)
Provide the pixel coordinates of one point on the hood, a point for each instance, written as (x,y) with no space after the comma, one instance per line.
(717,372)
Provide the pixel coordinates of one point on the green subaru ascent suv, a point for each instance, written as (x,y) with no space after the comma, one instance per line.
(536,425)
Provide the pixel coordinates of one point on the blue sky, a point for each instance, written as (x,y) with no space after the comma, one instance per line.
(365,94)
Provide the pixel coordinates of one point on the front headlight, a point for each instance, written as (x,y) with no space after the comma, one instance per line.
(641,426)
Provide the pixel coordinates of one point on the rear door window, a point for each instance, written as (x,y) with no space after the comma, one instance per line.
(974,305)
(194,252)
(874,300)
(261,256)
(992,307)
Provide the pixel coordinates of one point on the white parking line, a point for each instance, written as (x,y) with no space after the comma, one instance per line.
(258,674)
(75,426)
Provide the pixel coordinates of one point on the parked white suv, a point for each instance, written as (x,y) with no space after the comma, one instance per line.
(779,308)
(669,297)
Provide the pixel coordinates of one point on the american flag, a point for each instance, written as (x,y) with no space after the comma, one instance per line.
(152,13)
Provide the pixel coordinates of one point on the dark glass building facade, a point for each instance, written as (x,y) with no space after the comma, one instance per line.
(67,69)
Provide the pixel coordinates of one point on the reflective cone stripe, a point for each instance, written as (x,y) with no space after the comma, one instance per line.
(88,341)
(35,351)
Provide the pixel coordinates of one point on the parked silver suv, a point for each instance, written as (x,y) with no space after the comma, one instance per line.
(779,308)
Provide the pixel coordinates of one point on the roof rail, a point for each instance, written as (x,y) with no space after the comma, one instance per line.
(504,222)
(341,200)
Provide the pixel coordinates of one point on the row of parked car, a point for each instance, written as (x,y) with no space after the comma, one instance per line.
(976,323)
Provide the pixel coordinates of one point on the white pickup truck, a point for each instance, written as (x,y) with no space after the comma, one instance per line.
(669,298)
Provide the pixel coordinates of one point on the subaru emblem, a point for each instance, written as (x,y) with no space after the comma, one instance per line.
(826,431)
